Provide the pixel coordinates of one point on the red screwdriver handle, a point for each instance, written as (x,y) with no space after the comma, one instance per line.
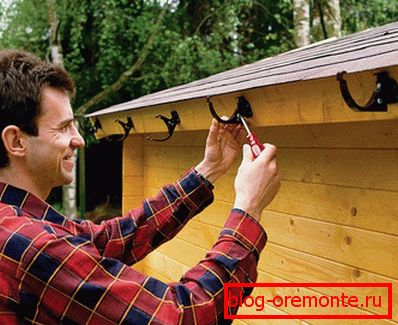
(255,145)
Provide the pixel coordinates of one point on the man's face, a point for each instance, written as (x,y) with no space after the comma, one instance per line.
(50,154)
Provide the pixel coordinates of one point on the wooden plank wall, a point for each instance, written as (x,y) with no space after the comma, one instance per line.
(335,218)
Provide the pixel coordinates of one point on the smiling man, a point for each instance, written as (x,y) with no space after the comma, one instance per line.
(55,270)
(44,160)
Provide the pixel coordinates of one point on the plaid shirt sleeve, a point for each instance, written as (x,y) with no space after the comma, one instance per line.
(50,277)
(157,220)
(56,271)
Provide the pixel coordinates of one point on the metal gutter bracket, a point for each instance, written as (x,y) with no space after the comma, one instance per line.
(127,126)
(92,128)
(171,124)
(243,108)
(386,92)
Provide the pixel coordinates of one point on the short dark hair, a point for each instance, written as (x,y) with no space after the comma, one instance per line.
(22,79)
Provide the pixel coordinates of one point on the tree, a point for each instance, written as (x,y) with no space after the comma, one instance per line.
(326,20)
(101,39)
(316,20)
(301,16)
(124,77)
(357,15)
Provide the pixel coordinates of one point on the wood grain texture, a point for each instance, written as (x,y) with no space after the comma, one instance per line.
(174,251)
(335,218)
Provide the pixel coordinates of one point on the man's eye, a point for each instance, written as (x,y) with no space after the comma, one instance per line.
(64,128)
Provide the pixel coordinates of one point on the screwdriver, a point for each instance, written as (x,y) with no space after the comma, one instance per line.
(255,144)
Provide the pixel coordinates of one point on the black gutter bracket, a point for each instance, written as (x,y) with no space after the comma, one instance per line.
(171,124)
(127,126)
(386,92)
(92,128)
(243,108)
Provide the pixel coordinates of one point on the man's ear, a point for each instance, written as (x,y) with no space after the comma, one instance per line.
(14,141)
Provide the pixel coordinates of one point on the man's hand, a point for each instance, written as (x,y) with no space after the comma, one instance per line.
(223,146)
(257,181)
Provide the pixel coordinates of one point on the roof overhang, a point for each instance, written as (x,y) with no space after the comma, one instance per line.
(368,50)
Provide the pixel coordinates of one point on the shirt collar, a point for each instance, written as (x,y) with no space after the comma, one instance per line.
(29,203)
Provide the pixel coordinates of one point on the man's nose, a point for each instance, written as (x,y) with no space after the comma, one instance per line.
(77,140)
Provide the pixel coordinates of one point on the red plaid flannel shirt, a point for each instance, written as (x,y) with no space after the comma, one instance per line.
(55,270)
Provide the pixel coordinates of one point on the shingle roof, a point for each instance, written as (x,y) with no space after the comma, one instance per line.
(370,49)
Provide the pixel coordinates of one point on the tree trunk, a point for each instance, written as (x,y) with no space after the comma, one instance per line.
(334,18)
(301,17)
(69,203)
(326,19)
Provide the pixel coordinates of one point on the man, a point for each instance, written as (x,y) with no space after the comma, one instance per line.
(55,270)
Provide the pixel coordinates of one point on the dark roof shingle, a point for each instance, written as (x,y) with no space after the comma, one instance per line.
(366,50)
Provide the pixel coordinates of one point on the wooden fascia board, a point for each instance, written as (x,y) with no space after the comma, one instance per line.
(303,102)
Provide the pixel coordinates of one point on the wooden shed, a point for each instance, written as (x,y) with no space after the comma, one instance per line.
(335,218)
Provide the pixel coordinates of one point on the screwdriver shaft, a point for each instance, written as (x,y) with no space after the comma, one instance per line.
(255,144)
(245,124)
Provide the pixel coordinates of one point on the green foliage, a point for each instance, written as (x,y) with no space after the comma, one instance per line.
(206,37)
(26,25)
(358,15)
(102,38)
